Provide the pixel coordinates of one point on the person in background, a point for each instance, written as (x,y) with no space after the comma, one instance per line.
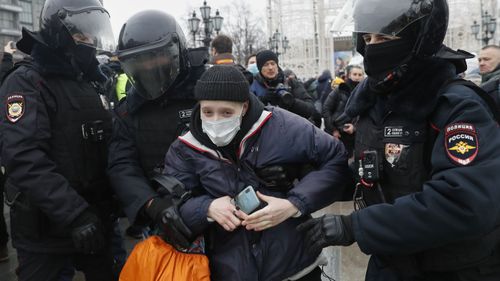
(222,50)
(222,54)
(489,68)
(311,87)
(251,64)
(271,87)
(117,85)
(335,104)
(324,88)
(489,63)
(6,66)
(7,61)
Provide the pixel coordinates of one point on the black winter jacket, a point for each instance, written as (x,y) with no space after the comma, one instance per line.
(451,223)
(335,104)
(303,104)
(37,147)
(137,142)
(278,252)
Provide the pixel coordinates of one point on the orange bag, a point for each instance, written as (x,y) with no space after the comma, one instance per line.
(155,260)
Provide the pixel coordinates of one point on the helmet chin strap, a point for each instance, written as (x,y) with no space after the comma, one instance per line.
(391,79)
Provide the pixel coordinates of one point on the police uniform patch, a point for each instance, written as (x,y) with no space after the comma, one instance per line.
(461,143)
(15,107)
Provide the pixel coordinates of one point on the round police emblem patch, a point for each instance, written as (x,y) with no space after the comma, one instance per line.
(15,107)
(461,143)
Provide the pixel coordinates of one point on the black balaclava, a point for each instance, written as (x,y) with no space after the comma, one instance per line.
(386,63)
(382,59)
(82,57)
(85,58)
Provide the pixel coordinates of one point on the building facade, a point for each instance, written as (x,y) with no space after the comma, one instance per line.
(306,24)
(16,14)
(463,13)
(9,21)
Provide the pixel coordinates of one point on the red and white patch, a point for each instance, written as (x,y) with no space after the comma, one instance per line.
(461,143)
(15,107)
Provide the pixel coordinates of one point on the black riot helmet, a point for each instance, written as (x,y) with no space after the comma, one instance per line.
(67,23)
(152,51)
(425,20)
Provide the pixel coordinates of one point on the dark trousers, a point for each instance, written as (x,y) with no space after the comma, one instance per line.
(379,271)
(49,267)
(4,236)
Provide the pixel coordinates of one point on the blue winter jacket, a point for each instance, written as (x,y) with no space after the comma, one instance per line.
(278,137)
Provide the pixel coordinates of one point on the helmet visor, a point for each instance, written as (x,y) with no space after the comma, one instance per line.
(388,17)
(152,69)
(90,27)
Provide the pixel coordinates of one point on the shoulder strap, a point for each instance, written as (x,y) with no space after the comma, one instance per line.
(479,91)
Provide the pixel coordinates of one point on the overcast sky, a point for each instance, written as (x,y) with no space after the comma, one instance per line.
(121,10)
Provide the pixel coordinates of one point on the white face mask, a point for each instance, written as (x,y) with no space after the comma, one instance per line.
(222,132)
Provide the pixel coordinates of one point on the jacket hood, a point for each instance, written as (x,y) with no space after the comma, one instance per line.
(53,62)
(325,76)
(456,57)
(28,41)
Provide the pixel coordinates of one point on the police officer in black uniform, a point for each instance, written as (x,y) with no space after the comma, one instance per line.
(427,152)
(153,53)
(54,131)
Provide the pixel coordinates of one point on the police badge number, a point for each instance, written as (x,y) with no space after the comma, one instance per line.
(461,143)
(15,107)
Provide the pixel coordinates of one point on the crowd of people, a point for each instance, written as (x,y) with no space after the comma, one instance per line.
(231,161)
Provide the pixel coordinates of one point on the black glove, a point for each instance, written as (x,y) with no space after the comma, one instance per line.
(87,233)
(281,177)
(328,230)
(276,177)
(341,121)
(165,214)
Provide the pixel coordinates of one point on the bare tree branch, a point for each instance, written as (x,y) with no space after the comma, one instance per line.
(244,28)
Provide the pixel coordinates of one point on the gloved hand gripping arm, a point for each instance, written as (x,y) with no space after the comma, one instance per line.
(328,230)
(165,214)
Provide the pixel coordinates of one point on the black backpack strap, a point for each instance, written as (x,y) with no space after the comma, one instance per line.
(479,91)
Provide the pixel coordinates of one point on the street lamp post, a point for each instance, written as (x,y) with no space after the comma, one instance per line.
(275,41)
(194,26)
(209,24)
(487,28)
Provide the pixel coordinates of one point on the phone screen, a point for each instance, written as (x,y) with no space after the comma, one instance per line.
(247,200)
